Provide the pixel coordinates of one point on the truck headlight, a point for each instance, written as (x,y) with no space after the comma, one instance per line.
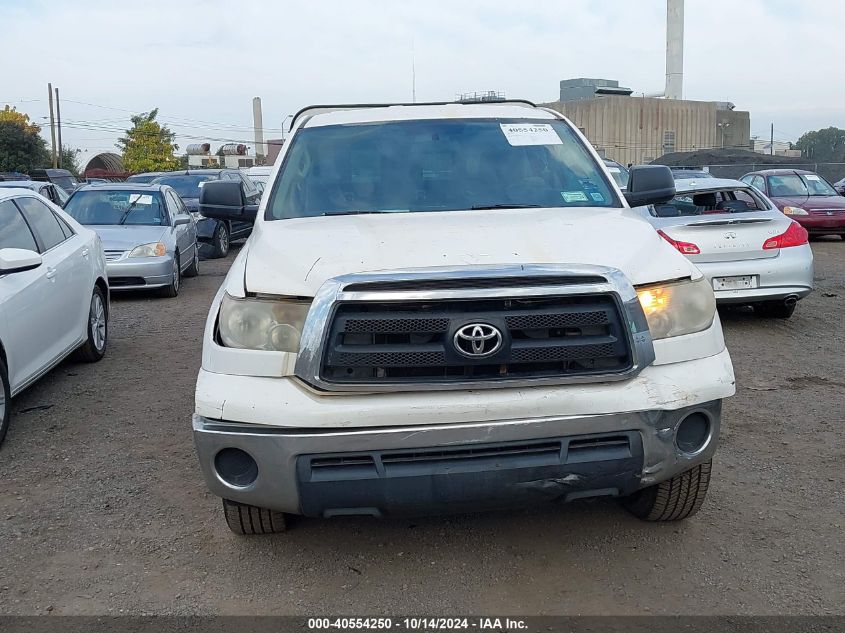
(678,308)
(264,324)
(154,249)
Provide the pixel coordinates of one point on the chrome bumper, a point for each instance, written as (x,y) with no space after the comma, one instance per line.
(276,451)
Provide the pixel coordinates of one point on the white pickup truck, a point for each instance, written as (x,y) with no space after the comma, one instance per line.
(451,307)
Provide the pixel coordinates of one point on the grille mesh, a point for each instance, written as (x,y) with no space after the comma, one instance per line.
(396,325)
(379,342)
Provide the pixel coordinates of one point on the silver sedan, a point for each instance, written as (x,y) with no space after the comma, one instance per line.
(751,252)
(149,237)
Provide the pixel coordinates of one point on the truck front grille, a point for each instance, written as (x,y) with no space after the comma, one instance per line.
(383,342)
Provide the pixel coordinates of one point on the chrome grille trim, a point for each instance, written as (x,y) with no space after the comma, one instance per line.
(334,291)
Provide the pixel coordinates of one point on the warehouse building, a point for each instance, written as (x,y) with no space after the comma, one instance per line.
(637,129)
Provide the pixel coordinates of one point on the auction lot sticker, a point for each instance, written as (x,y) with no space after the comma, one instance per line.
(519,134)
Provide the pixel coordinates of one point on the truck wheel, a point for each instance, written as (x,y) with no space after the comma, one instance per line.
(220,240)
(5,401)
(674,499)
(246,519)
(95,345)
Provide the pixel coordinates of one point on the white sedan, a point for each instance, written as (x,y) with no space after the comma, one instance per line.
(54,294)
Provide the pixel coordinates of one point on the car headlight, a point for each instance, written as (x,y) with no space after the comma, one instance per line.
(264,324)
(678,308)
(154,249)
(794,211)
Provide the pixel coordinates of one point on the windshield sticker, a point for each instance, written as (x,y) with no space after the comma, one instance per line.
(519,134)
(597,196)
(138,198)
(574,196)
(811,177)
(613,170)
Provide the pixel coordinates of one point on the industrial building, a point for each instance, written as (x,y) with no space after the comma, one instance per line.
(637,128)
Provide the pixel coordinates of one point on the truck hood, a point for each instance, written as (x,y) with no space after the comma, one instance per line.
(126,237)
(294,257)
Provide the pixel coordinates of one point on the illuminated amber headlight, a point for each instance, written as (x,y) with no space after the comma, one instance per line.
(263,324)
(678,308)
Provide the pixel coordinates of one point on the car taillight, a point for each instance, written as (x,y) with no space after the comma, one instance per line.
(687,248)
(795,235)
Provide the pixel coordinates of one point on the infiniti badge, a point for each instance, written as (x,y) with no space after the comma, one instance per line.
(478,340)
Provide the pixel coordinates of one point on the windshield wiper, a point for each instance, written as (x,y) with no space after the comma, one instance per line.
(128,211)
(482,207)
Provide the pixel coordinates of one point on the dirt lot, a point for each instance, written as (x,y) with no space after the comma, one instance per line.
(102,508)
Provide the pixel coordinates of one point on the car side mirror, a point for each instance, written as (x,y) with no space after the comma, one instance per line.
(180,220)
(649,184)
(17,260)
(224,200)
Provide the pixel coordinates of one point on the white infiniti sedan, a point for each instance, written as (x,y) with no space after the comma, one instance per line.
(54,294)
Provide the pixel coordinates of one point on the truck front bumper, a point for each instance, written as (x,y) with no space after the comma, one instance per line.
(435,468)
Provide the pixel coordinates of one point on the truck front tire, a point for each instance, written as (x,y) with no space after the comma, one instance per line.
(674,499)
(248,520)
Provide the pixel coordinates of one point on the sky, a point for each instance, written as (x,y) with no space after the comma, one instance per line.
(202,62)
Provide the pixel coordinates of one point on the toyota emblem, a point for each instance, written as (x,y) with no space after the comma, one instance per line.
(478,340)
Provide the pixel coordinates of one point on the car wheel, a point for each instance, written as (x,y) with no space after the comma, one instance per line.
(94,347)
(248,520)
(674,499)
(172,290)
(220,241)
(194,269)
(5,401)
(774,309)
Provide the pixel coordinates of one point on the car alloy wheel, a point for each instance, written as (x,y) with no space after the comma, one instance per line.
(223,240)
(176,275)
(98,322)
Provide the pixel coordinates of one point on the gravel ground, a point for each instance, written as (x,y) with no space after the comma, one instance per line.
(103,510)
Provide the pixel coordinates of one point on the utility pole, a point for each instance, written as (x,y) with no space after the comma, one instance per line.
(52,123)
(59,125)
(772,141)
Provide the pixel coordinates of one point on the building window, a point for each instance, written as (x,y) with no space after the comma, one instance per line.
(668,141)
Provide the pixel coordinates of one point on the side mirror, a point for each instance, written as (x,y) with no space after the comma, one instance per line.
(650,184)
(16,260)
(180,220)
(224,200)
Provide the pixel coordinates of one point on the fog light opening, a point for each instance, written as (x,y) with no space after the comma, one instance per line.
(693,434)
(236,467)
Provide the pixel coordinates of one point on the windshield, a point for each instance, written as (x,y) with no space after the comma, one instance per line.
(619,174)
(799,185)
(116,207)
(186,185)
(142,177)
(711,203)
(437,165)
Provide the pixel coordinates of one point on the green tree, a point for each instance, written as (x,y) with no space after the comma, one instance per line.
(21,145)
(69,160)
(148,145)
(823,146)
